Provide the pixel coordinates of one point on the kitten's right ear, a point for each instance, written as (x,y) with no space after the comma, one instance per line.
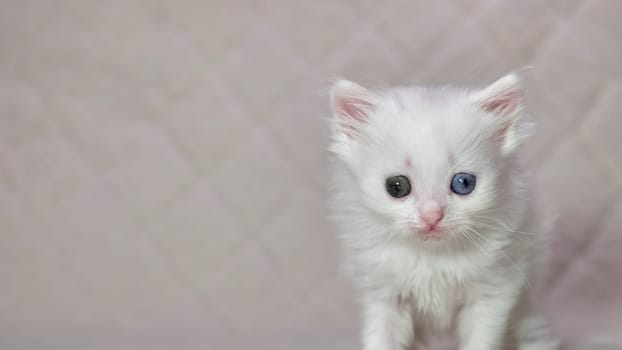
(351,105)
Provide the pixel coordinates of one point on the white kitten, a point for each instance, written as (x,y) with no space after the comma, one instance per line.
(439,227)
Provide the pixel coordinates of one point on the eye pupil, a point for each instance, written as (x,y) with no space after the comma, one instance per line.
(463,183)
(398,186)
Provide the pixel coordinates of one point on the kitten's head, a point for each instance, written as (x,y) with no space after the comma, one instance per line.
(431,164)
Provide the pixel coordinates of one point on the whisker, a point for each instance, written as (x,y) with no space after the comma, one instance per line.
(502,227)
(472,239)
(502,252)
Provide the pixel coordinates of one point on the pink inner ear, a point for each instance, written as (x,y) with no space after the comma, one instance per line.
(504,103)
(354,108)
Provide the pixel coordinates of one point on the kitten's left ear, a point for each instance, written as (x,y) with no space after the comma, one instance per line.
(503,99)
(351,104)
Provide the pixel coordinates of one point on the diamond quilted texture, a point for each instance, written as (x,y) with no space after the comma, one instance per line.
(308,256)
(192,120)
(521,29)
(298,127)
(235,289)
(328,301)
(563,178)
(43,170)
(248,186)
(380,58)
(217,26)
(181,235)
(581,287)
(606,123)
(584,47)
(258,68)
(22,122)
(146,147)
(419,27)
(45,274)
(302,19)
(547,129)
(598,24)
(478,57)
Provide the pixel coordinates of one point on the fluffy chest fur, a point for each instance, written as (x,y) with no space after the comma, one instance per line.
(433,293)
(431,286)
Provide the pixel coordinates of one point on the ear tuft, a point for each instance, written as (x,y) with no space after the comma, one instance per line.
(351,105)
(504,97)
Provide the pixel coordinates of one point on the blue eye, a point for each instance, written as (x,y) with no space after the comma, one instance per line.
(463,183)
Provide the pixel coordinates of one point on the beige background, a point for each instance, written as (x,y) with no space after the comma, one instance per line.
(163,165)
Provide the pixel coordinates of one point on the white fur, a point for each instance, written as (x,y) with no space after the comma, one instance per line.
(474,281)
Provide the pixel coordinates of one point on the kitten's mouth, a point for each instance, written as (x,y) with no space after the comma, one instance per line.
(431,237)
(431,233)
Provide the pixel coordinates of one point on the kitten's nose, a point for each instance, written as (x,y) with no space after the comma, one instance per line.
(431,213)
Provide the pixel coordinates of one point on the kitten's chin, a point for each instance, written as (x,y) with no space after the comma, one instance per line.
(440,234)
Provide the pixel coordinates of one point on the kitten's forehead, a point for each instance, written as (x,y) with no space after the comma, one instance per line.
(424,118)
(428,128)
(415,97)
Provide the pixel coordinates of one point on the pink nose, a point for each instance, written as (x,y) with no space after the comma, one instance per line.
(431,213)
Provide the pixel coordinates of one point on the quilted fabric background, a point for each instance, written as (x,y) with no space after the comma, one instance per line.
(163,165)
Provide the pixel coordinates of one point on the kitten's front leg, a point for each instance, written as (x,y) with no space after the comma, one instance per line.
(482,324)
(387,325)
